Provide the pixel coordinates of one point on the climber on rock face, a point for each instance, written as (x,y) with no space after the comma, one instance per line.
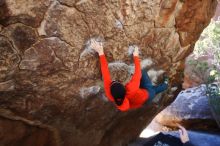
(136,92)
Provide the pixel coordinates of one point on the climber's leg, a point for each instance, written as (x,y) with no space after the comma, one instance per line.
(147,84)
(145,80)
(160,88)
(152,94)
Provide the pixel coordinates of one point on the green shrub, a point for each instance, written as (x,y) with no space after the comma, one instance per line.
(209,72)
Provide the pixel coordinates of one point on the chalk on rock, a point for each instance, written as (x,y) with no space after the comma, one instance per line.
(120,71)
(131,69)
(146,63)
(157,98)
(117,65)
(153,74)
(119,24)
(81,2)
(85,92)
(173,89)
(104,98)
(131,49)
(88,50)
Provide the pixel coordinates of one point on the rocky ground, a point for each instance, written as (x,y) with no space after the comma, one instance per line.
(191,109)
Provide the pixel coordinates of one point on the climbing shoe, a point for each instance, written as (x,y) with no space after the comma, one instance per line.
(166,80)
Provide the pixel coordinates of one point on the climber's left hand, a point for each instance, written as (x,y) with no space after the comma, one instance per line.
(97,46)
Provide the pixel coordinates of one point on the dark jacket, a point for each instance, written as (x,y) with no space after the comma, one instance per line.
(165,140)
(188,144)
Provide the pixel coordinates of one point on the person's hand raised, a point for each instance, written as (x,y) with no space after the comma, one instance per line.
(97,46)
(183,134)
(136,50)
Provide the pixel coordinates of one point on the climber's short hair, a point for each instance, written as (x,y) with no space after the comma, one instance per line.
(118,92)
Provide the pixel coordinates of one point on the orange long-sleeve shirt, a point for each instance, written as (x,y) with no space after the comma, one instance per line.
(135,96)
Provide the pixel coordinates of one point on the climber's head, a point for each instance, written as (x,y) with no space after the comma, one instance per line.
(118,92)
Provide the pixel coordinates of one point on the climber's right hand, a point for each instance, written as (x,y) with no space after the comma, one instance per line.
(97,46)
(136,50)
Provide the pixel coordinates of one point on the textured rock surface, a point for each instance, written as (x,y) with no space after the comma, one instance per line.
(191,108)
(21,132)
(47,75)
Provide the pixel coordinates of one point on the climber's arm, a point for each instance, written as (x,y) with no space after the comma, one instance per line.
(134,83)
(97,46)
(106,76)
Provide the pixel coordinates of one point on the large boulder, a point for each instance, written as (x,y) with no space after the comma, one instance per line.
(191,109)
(49,77)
